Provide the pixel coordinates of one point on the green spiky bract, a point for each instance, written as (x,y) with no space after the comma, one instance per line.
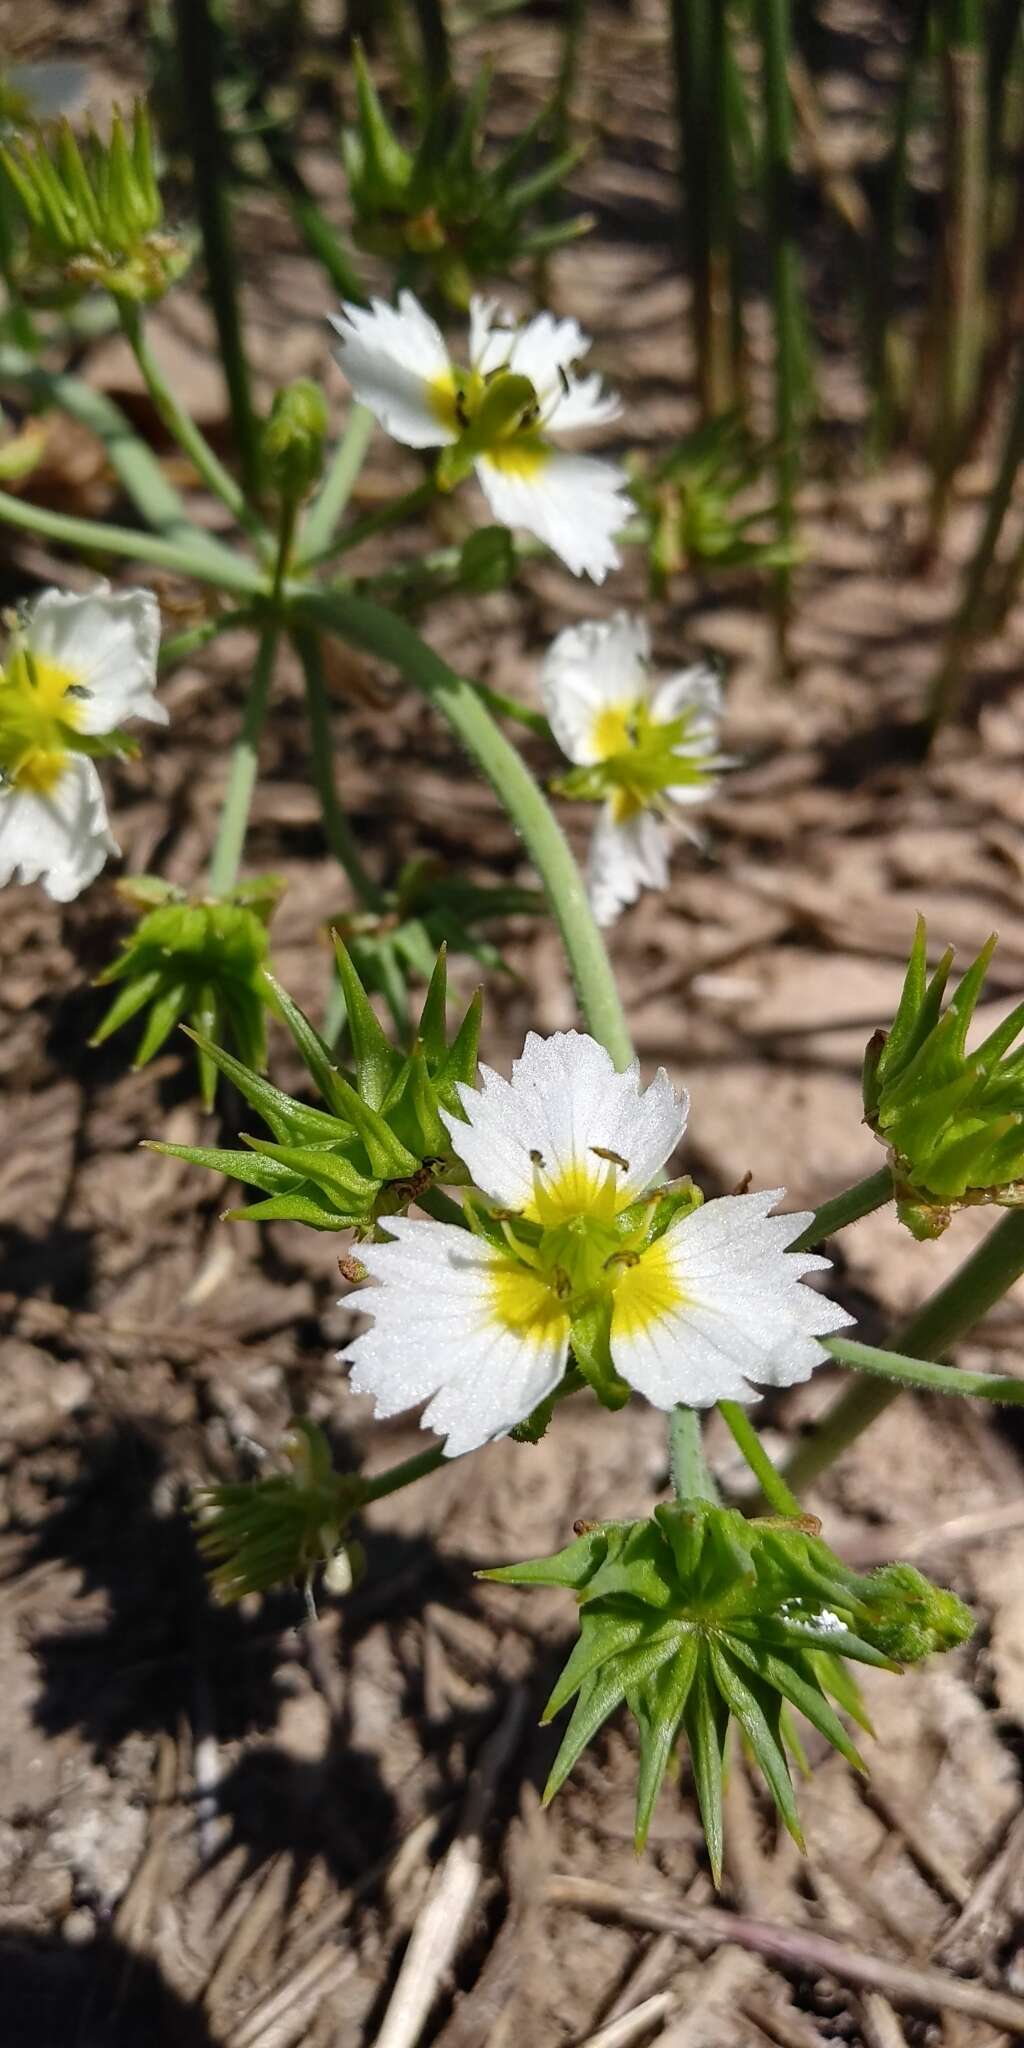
(93,212)
(438,208)
(264,1533)
(699,1617)
(953,1120)
(202,960)
(378,1143)
(694,504)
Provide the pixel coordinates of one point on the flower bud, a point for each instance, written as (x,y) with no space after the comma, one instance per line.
(272,1532)
(294,436)
(700,1616)
(952,1120)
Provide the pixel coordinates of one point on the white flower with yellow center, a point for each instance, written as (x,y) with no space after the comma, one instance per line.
(682,1303)
(649,749)
(76,668)
(496,417)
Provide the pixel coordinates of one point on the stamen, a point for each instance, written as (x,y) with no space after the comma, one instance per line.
(615,1158)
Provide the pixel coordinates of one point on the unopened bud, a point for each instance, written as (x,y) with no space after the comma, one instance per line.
(293,439)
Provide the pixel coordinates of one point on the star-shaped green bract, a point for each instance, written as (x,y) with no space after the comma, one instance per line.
(953,1119)
(378,1143)
(700,1616)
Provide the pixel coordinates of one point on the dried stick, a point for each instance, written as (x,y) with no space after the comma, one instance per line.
(881,2027)
(435,1938)
(795,1948)
(632,2026)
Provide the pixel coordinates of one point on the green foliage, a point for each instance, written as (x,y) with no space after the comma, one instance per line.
(953,1120)
(692,505)
(202,959)
(270,1532)
(438,210)
(379,1142)
(93,213)
(699,1617)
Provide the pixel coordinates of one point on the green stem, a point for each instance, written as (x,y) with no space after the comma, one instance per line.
(771,1482)
(197,59)
(954,1309)
(336,826)
(405,1474)
(201,558)
(510,707)
(191,440)
(408,506)
(920,1372)
(691,1475)
(234,818)
(322,518)
(319,236)
(382,633)
(945,690)
(860,1200)
(181,646)
(773,18)
(883,248)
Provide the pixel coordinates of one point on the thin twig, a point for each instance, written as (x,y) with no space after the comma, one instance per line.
(632,2026)
(451,1893)
(881,2027)
(801,1948)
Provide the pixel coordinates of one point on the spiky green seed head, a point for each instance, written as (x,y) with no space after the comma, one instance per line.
(699,1617)
(194,960)
(951,1119)
(447,215)
(265,1533)
(92,213)
(378,1143)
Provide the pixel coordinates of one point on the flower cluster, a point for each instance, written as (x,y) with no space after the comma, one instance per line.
(495,417)
(202,958)
(646,750)
(573,1245)
(75,669)
(700,1616)
(439,208)
(94,214)
(380,1141)
(952,1120)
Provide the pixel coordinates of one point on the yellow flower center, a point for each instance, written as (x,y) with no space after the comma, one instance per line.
(525,1304)
(38,708)
(646,1291)
(613,729)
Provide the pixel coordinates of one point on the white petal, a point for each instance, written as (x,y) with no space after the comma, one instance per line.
(581,402)
(624,859)
(573,503)
(108,643)
(590,669)
(492,334)
(742,1315)
(436,1334)
(544,350)
(564,1098)
(61,839)
(696,690)
(391,357)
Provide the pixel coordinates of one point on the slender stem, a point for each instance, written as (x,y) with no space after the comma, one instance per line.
(336,826)
(405,1474)
(773,17)
(324,513)
(197,59)
(945,690)
(408,506)
(860,1200)
(189,437)
(771,1482)
(200,558)
(382,633)
(883,247)
(920,1372)
(234,817)
(510,707)
(436,52)
(691,1475)
(954,1309)
(320,237)
(133,463)
(181,646)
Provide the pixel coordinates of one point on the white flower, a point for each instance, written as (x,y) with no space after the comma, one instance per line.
(651,749)
(76,669)
(480,1325)
(398,365)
